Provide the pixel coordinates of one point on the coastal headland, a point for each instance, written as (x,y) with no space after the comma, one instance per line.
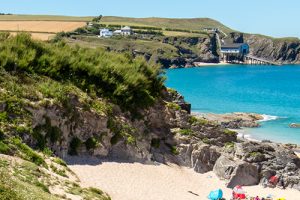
(68,107)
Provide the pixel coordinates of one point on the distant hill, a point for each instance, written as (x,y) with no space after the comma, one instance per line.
(182,23)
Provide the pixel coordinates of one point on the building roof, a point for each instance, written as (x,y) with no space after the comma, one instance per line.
(126,28)
(233,45)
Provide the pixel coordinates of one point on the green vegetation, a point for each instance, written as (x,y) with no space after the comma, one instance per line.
(173,106)
(91,143)
(206,141)
(60,162)
(255,154)
(127,81)
(27,153)
(74,145)
(121,131)
(198,121)
(88,193)
(61,172)
(155,143)
(196,24)
(172,148)
(229,145)
(22,181)
(187,132)
(229,132)
(120,44)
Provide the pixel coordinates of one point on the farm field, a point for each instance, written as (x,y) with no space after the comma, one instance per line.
(42,30)
(43,18)
(40,26)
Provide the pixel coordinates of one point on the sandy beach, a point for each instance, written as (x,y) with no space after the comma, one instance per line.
(136,181)
(204,64)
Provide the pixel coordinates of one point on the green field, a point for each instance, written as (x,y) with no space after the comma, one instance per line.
(187,24)
(43,18)
(121,44)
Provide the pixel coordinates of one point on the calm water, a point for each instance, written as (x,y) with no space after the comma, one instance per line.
(269,90)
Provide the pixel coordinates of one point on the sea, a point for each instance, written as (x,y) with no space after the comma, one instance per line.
(272,91)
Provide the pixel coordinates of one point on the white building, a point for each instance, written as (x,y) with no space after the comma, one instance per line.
(126,30)
(105,33)
(117,32)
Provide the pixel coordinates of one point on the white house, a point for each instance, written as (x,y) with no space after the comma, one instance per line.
(117,32)
(105,33)
(126,30)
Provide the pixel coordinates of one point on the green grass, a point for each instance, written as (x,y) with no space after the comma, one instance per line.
(43,18)
(188,24)
(121,44)
(187,132)
(229,132)
(173,106)
(24,183)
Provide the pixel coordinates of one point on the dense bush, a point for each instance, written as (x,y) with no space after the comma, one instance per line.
(129,82)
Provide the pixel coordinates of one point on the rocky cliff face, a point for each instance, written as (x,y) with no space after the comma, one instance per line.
(165,133)
(285,50)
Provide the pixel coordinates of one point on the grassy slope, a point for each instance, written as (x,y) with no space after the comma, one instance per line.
(122,44)
(189,24)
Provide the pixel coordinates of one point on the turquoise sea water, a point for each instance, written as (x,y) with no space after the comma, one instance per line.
(270,90)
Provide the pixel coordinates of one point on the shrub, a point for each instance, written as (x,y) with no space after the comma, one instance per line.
(229,145)
(155,142)
(129,82)
(74,145)
(173,149)
(91,143)
(206,140)
(173,106)
(229,132)
(3,116)
(4,148)
(185,132)
(28,153)
(60,162)
(2,135)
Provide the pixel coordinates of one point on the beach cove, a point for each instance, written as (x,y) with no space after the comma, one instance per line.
(270,91)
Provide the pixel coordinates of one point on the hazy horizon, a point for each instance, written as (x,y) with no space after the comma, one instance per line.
(272,18)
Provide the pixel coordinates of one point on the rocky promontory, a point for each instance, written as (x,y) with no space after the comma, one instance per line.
(234,120)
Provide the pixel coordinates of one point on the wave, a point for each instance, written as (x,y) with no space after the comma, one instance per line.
(268,118)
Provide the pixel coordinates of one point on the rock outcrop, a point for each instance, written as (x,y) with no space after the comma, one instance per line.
(281,50)
(235,120)
(236,172)
(254,162)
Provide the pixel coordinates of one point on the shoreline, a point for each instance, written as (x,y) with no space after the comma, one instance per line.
(241,130)
(204,64)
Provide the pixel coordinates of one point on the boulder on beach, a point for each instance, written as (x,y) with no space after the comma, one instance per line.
(294,125)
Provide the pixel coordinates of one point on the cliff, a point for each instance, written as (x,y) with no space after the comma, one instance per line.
(280,50)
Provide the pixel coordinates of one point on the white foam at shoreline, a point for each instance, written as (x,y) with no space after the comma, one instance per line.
(268,118)
(241,134)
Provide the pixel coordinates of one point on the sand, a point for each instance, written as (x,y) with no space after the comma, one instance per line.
(136,181)
(204,64)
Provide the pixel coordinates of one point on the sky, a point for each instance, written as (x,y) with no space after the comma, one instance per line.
(277,18)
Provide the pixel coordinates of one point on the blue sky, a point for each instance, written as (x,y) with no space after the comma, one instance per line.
(278,18)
